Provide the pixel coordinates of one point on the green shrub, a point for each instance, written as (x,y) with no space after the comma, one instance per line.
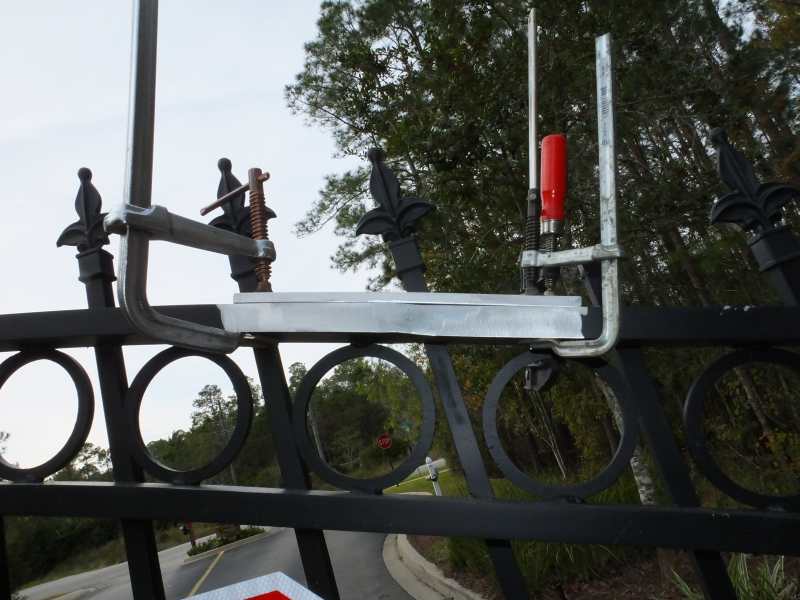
(768,582)
(216,541)
(545,564)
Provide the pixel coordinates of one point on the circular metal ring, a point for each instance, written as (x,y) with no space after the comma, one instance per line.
(694,414)
(244,417)
(303,400)
(602,480)
(83,420)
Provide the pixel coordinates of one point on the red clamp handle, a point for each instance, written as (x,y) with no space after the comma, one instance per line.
(554,176)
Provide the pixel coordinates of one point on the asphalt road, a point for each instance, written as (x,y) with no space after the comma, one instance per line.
(357,562)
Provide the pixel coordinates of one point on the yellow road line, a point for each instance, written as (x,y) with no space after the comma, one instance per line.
(206,574)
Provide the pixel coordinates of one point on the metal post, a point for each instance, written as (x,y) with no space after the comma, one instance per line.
(777,253)
(755,208)
(708,565)
(433,475)
(310,542)
(5,580)
(96,272)
(530,275)
(410,269)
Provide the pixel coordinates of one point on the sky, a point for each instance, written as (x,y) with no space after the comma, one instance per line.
(222,68)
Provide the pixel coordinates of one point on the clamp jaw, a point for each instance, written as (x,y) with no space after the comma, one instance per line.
(607,251)
(139,225)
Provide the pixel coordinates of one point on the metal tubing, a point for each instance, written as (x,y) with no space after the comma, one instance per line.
(761,532)
(141,104)
(653,326)
(533,105)
(160,224)
(608,210)
(138,186)
(151,323)
(573,256)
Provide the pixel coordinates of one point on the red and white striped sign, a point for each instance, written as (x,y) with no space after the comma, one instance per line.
(275,586)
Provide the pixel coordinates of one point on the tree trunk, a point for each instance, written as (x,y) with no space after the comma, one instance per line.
(611,437)
(645,484)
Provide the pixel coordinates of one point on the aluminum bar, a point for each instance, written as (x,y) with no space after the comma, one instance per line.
(465,317)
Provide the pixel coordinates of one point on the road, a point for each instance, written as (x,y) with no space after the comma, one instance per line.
(357,562)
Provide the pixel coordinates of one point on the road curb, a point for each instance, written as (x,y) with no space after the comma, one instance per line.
(74,595)
(214,551)
(422,579)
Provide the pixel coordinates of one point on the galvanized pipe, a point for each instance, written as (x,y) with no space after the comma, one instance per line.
(132,288)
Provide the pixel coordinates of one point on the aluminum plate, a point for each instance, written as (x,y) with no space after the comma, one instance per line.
(396,317)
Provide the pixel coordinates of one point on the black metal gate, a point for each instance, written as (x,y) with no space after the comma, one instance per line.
(770,524)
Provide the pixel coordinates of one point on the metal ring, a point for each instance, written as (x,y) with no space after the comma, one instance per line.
(612,471)
(694,414)
(303,400)
(83,420)
(244,417)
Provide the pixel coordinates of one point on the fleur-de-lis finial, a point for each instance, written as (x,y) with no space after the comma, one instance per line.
(753,206)
(87,232)
(395,216)
(236,216)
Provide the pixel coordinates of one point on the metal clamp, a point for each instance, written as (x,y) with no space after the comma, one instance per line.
(137,222)
(608,250)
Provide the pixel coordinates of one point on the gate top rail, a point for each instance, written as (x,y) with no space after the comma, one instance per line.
(650,326)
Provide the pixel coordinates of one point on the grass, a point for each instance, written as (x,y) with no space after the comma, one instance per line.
(448,480)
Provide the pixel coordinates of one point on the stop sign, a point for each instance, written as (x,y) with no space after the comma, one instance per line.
(384,441)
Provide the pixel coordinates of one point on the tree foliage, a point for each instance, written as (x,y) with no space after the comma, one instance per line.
(440,85)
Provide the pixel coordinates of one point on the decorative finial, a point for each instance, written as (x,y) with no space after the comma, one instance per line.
(87,232)
(395,216)
(753,206)
(236,216)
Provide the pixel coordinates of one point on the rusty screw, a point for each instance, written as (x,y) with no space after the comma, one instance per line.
(258,220)
(258,225)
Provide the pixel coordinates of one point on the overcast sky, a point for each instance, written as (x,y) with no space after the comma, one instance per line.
(65,72)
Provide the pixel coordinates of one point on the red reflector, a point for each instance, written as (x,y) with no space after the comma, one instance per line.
(269,596)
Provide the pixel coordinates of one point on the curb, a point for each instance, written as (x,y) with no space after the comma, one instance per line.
(74,595)
(214,551)
(422,580)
